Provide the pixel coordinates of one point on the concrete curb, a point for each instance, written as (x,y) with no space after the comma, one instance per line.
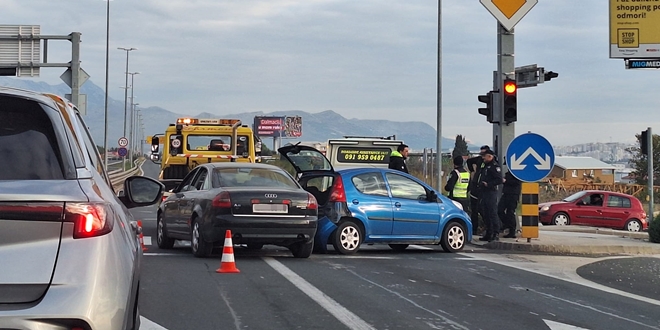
(600,231)
(572,249)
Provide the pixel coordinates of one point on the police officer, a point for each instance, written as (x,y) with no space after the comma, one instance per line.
(457,183)
(489,178)
(474,167)
(506,209)
(398,158)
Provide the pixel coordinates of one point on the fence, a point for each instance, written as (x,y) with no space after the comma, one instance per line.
(117,177)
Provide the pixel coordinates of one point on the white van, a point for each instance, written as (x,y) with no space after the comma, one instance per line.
(361,151)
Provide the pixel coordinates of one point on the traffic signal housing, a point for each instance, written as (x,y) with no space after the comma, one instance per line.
(488,110)
(547,76)
(644,142)
(510,110)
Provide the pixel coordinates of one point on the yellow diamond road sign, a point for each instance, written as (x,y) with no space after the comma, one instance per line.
(509,12)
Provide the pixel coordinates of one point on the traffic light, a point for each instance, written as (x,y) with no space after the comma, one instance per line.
(510,110)
(488,110)
(549,75)
(644,142)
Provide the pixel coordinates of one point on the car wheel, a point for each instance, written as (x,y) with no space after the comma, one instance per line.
(398,247)
(347,238)
(633,225)
(255,246)
(302,249)
(163,241)
(453,237)
(561,219)
(200,248)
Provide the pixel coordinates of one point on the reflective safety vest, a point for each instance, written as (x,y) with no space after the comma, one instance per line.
(461,186)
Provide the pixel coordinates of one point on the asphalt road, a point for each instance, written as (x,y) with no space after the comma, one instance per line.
(378,288)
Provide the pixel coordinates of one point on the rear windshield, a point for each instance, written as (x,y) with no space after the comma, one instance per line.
(28,147)
(251,177)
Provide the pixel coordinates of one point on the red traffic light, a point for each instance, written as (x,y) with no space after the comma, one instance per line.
(510,87)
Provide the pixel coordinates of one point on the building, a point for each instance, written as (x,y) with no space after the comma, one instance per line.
(579,170)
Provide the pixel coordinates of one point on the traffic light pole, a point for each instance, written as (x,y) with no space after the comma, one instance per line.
(503,133)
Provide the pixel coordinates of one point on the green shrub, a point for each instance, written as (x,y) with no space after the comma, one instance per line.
(654,230)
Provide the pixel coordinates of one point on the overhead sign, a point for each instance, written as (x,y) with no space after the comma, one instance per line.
(634,29)
(530,157)
(509,12)
(122,152)
(643,64)
(26,51)
(122,142)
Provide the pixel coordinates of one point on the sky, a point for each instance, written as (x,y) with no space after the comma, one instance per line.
(366,59)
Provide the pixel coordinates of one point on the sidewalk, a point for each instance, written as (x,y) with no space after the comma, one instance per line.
(577,240)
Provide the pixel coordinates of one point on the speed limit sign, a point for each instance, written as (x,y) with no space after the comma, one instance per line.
(123,142)
(176,143)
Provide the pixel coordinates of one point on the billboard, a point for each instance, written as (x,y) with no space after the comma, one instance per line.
(268,126)
(292,127)
(634,29)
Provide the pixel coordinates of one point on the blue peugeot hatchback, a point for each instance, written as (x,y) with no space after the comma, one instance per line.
(375,205)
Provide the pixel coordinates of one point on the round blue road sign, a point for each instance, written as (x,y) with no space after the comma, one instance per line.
(122,152)
(530,157)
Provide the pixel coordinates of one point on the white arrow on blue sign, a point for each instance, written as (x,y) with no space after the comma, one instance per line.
(530,157)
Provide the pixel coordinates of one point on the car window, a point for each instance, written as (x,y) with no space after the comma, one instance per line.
(187,181)
(208,142)
(92,150)
(251,177)
(618,201)
(370,184)
(403,187)
(28,143)
(593,200)
(200,180)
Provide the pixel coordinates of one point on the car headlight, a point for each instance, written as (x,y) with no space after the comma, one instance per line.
(459,205)
(545,208)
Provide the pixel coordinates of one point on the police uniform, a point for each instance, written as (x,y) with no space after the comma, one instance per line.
(491,175)
(457,186)
(506,209)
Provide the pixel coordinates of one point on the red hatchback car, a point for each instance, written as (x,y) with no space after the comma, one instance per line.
(596,208)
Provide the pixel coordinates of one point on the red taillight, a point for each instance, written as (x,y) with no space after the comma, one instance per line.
(254,201)
(338,194)
(222,201)
(89,220)
(312,204)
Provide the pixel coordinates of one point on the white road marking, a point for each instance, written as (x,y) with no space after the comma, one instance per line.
(561,326)
(342,314)
(357,257)
(147,240)
(147,324)
(419,247)
(162,254)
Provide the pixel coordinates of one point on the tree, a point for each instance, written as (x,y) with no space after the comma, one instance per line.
(460,147)
(639,161)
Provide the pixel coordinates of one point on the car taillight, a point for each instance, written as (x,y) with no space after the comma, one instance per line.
(222,200)
(311,202)
(89,219)
(338,194)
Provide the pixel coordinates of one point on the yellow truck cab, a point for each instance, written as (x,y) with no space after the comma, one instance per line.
(192,141)
(361,151)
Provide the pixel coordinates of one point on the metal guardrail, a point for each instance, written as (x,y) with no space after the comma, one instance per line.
(117,177)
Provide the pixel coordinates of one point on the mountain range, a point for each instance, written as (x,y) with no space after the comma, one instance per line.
(317,127)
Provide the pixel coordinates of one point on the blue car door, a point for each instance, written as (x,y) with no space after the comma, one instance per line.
(374,202)
(414,214)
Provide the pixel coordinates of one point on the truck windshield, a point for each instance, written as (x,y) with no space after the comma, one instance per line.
(208,142)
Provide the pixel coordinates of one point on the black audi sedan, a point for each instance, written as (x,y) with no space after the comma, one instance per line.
(261,204)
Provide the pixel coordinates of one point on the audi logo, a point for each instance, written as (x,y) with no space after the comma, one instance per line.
(270,195)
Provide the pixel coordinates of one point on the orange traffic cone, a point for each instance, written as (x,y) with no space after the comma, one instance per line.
(227,264)
(144,248)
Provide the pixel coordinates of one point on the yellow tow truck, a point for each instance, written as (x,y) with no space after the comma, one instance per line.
(193,141)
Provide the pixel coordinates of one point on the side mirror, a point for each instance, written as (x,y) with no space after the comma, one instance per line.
(432,196)
(141,191)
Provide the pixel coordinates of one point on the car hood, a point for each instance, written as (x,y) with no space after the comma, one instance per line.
(552,203)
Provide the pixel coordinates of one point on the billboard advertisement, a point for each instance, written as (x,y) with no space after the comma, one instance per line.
(292,127)
(634,29)
(268,126)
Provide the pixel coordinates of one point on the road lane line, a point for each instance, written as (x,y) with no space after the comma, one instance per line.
(163,254)
(419,247)
(147,240)
(147,324)
(342,314)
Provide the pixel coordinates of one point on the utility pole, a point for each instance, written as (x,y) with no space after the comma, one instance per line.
(128,50)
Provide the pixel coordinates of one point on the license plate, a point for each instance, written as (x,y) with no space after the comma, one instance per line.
(270,208)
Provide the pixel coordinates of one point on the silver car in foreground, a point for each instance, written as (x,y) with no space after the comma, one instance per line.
(69,249)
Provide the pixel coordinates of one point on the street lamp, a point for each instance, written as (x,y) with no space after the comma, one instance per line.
(134,121)
(130,139)
(128,50)
(107,56)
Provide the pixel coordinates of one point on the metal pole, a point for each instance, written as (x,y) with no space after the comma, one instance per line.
(649,143)
(130,139)
(438,159)
(107,55)
(504,133)
(75,68)
(128,50)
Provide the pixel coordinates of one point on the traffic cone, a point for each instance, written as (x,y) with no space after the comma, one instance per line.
(144,248)
(227,264)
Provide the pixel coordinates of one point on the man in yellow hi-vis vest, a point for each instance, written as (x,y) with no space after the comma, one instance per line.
(457,183)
